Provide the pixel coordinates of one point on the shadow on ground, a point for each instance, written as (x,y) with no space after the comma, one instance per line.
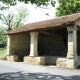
(35,76)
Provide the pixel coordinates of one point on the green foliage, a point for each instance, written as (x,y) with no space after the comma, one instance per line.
(13,21)
(68,7)
(3,7)
(11,2)
(7,20)
(37,2)
(3,37)
(3,53)
(3,50)
(20,16)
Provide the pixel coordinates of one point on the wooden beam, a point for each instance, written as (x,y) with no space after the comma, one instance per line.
(45,32)
(48,33)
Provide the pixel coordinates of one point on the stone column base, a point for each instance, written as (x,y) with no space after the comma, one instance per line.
(65,63)
(13,58)
(34,60)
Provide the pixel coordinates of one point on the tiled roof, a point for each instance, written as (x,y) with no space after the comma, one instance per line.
(47,24)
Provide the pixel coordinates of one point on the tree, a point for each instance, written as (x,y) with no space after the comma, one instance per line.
(7,20)
(37,2)
(13,21)
(68,7)
(20,16)
(3,7)
(3,37)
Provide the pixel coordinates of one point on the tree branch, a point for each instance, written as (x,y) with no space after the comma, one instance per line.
(5,20)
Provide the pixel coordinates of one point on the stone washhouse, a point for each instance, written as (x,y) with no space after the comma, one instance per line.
(48,42)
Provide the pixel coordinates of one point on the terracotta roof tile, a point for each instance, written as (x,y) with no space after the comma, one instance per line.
(52,23)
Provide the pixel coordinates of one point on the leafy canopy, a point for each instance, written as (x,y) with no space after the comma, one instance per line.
(37,2)
(3,37)
(68,7)
(12,20)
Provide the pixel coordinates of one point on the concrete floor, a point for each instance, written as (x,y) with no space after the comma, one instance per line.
(22,71)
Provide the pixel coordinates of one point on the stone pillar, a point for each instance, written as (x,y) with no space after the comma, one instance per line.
(72,42)
(8,45)
(71,61)
(9,55)
(33,44)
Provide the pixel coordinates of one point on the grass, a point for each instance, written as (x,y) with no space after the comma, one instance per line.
(3,53)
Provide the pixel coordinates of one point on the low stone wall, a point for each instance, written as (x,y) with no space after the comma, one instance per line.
(61,62)
(65,63)
(50,60)
(13,58)
(34,60)
(42,60)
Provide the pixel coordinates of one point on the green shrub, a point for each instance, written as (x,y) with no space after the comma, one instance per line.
(3,53)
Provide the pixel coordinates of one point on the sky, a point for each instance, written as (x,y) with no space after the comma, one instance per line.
(35,13)
(38,14)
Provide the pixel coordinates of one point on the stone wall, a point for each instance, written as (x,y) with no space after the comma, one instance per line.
(48,45)
(42,60)
(51,45)
(66,63)
(34,60)
(20,45)
(12,58)
(51,60)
